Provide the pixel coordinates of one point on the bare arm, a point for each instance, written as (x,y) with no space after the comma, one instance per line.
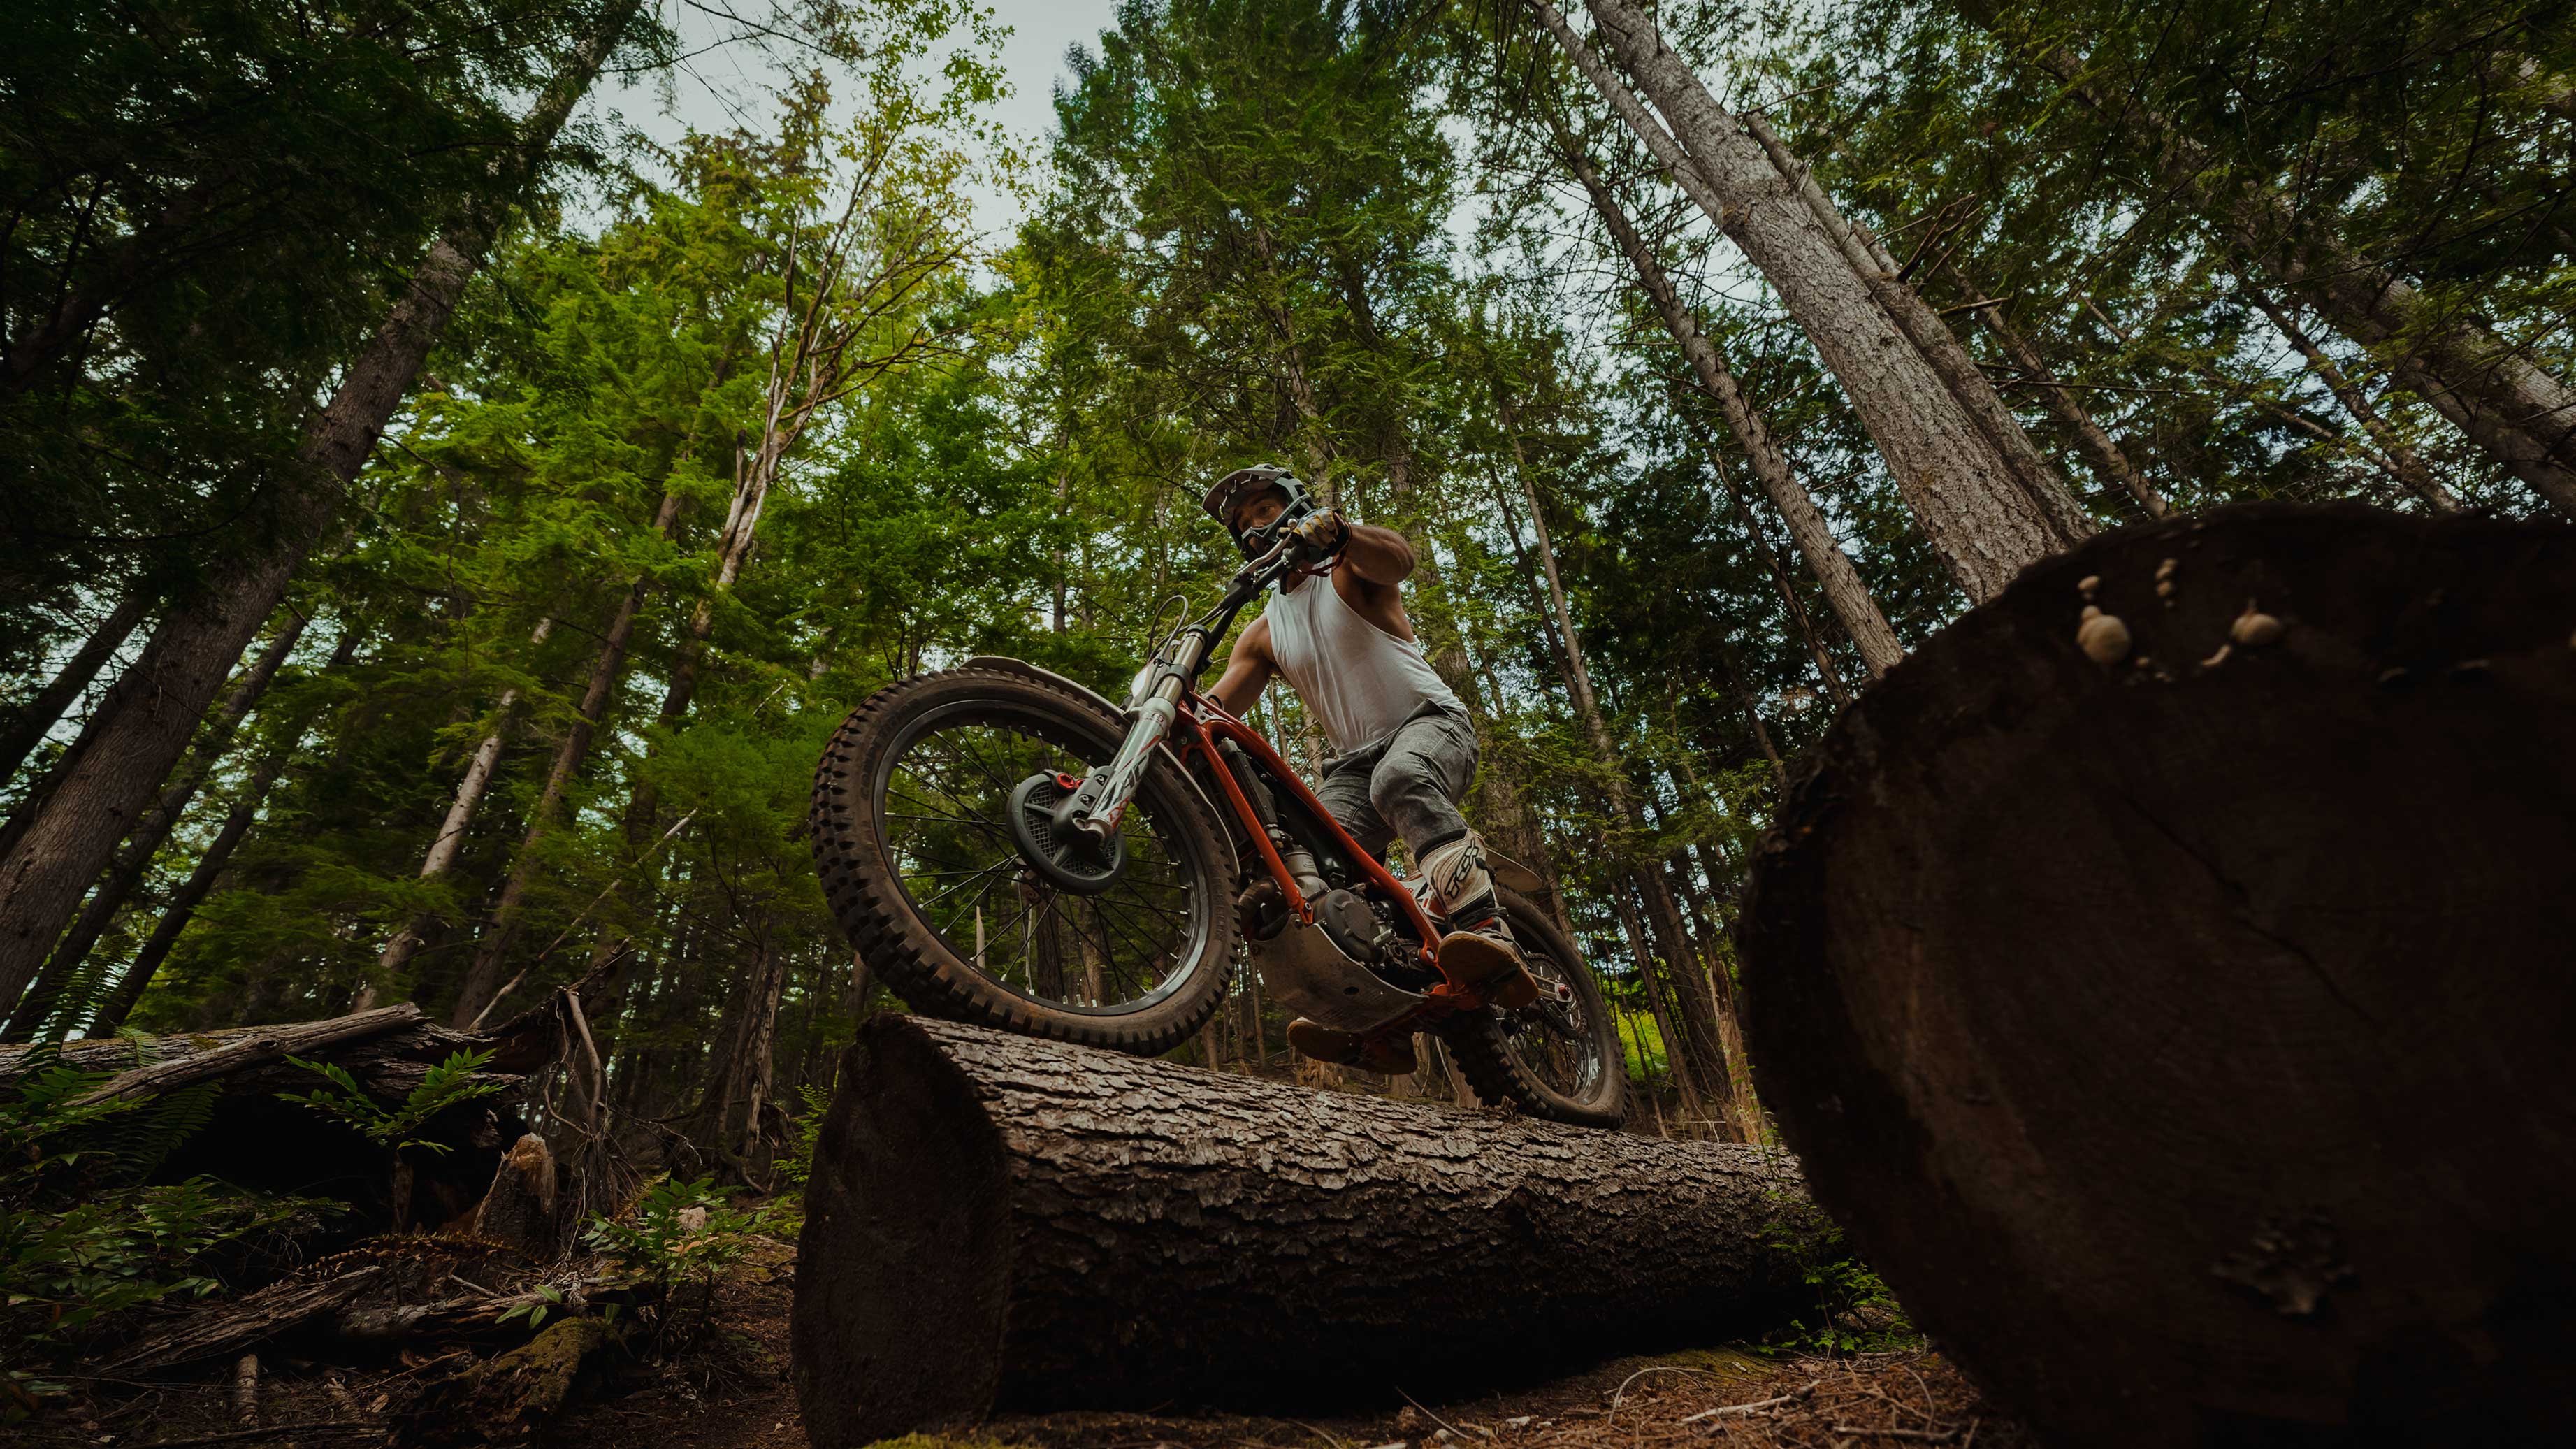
(1247,670)
(1379,555)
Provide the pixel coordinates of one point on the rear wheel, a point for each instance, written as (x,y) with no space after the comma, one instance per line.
(923,834)
(1561,1060)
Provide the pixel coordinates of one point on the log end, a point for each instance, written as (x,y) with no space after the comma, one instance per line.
(903,1269)
(2182,1030)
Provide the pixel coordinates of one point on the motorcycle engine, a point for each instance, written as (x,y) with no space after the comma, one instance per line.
(1351,926)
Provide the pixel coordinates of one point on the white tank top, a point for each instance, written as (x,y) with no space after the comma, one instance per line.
(1359,680)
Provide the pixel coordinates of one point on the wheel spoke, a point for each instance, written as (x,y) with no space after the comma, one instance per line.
(942,811)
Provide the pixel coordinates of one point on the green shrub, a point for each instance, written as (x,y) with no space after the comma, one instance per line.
(83,1235)
(445,1085)
(1853,1311)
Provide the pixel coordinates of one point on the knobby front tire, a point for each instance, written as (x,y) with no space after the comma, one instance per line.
(908,813)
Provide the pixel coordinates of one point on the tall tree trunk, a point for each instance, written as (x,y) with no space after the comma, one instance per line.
(1961,487)
(2403,463)
(1781,582)
(2522,417)
(1844,590)
(2105,456)
(460,817)
(182,905)
(483,977)
(1698,1042)
(1641,950)
(733,550)
(37,716)
(1941,349)
(1314,438)
(134,860)
(143,725)
(740,1070)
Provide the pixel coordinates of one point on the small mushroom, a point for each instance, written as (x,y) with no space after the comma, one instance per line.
(2219,658)
(2253,629)
(2090,582)
(2165,590)
(2102,637)
(2166,569)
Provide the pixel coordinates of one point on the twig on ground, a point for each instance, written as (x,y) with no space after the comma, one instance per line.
(1320,1434)
(274,1431)
(1784,1400)
(1936,1436)
(1895,1403)
(1622,1391)
(1435,1418)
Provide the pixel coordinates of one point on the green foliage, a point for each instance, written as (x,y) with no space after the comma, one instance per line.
(1850,1308)
(544,1300)
(443,1086)
(679,1233)
(797,1167)
(83,1236)
(1325,232)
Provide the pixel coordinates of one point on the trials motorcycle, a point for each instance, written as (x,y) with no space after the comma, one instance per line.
(1005,846)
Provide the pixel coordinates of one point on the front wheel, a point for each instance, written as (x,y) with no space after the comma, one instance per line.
(1561,1060)
(915,804)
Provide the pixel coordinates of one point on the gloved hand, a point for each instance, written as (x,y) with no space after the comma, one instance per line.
(1324,532)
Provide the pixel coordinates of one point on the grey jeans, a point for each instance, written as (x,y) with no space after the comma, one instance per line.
(1407,784)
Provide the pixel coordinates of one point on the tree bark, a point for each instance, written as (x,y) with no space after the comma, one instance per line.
(1962,490)
(183,903)
(740,1071)
(1844,589)
(2516,413)
(1941,349)
(470,791)
(134,860)
(995,1221)
(144,723)
(483,976)
(1781,582)
(2108,459)
(2184,1038)
(2402,462)
(1698,1045)
(36,718)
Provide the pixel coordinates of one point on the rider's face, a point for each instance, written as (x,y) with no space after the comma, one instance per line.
(1258,510)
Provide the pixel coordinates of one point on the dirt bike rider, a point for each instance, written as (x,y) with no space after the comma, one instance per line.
(1338,631)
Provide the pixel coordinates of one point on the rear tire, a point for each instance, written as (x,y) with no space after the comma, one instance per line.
(1536,1058)
(864,877)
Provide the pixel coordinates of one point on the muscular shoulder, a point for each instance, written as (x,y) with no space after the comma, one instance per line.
(1380,604)
(1254,641)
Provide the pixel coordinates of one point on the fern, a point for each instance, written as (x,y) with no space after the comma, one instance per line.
(82,1234)
(445,1085)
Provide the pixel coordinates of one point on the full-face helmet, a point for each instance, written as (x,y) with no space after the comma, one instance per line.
(1231,490)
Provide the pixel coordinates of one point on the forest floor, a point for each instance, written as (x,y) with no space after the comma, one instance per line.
(734,1394)
(730,1390)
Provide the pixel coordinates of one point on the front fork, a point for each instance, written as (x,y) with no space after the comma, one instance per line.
(1103,796)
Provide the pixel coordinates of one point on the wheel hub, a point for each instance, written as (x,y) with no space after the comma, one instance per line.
(1063,856)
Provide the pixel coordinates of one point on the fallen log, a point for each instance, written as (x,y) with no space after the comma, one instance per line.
(255,1138)
(994,1221)
(255,1047)
(2175,1003)
(214,1330)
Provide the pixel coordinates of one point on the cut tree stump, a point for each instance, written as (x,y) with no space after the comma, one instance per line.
(994,1221)
(2185,1036)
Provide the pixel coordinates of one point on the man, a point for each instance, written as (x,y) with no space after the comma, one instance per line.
(1407,747)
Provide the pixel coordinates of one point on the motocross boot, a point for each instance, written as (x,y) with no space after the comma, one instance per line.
(1478,949)
(1388,1052)
(1481,952)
